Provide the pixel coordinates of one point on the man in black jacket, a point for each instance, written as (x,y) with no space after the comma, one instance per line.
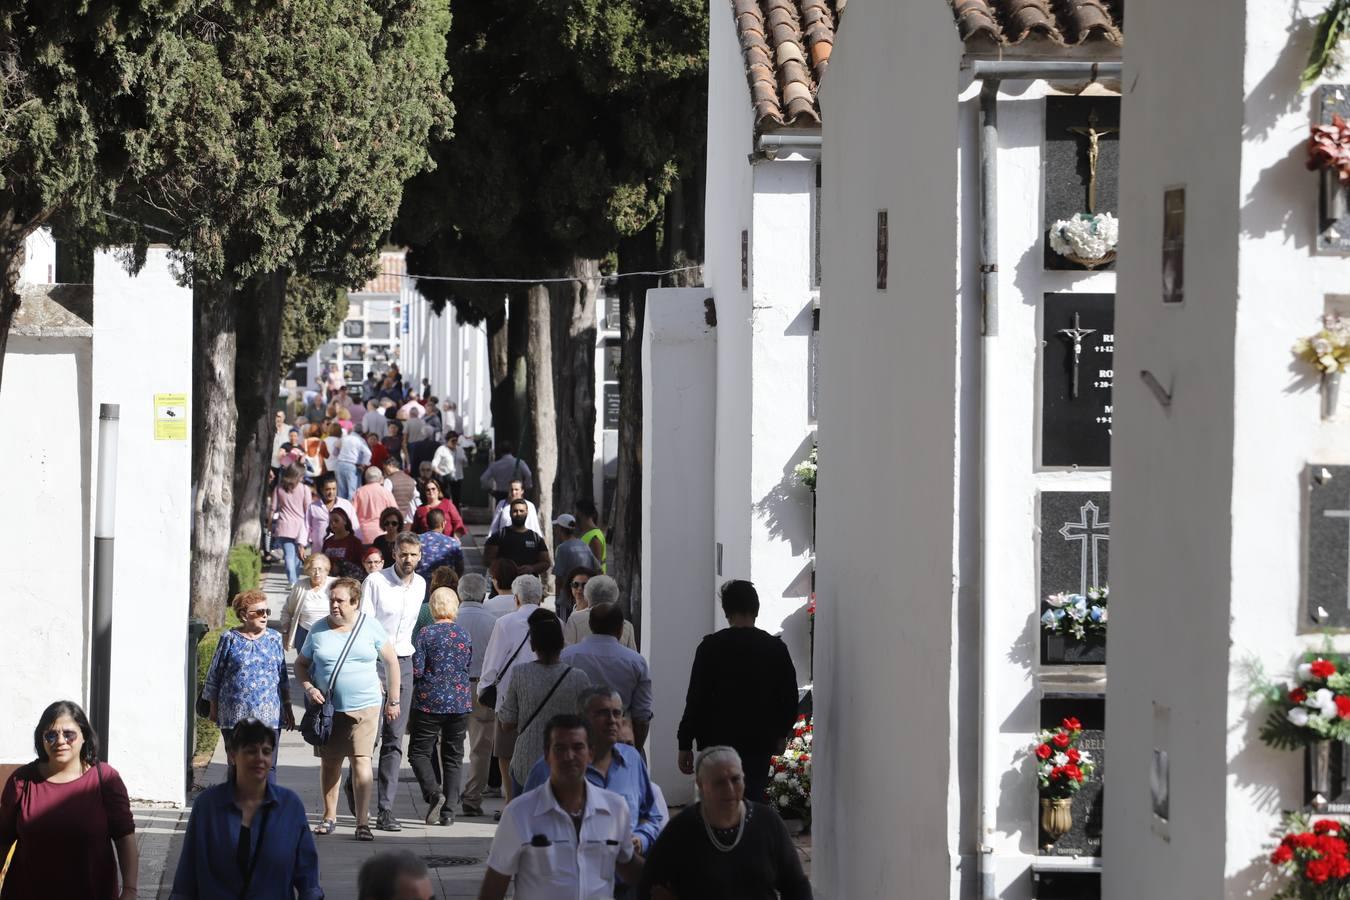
(742,691)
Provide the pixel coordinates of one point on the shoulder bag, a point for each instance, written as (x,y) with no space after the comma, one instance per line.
(317,725)
(488,695)
(544,702)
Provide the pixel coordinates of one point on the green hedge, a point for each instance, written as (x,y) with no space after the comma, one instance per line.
(245,564)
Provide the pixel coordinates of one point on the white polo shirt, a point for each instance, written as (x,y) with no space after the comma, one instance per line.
(394,605)
(538,845)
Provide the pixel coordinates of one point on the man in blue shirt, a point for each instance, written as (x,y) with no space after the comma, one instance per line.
(606,661)
(615,767)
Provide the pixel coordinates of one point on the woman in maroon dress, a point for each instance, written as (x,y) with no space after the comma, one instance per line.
(67,811)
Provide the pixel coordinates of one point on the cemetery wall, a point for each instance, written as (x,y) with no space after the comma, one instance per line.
(451,353)
(1175,554)
(679,359)
(39,263)
(888,758)
(140,346)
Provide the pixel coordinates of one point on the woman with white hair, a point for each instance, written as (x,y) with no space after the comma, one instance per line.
(308,601)
(724,847)
(599,589)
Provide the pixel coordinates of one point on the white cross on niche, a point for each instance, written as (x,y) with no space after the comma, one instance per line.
(1081,531)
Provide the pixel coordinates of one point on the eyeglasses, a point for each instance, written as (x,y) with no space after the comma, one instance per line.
(392,523)
(577,585)
(68,734)
(256,613)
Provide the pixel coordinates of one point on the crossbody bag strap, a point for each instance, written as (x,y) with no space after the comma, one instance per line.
(544,702)
(510,660)
(346,649)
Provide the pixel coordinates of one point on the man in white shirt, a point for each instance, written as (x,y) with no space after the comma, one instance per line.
(393,596)
(501,519)
(497,478)
(508,647)
(563,840)
(448,463)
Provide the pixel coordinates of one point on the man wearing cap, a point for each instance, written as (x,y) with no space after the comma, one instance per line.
(569,552)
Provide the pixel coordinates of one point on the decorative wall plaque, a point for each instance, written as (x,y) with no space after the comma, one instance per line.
(1075,544)
(1085,837)
(1327,539)
(1077,372)
(1055,885)
(1174,245)
(1081,163)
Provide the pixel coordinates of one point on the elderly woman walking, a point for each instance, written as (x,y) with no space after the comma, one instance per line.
(441,704)
(247,676)
(724,847)
(67,811)
(355,693)
(290,522)
(308,600)
(247,837)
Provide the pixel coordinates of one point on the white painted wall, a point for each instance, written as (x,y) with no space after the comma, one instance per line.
(679,363)
(154,518)
(48,572)
(1209,500)
(886,695)
(39,263)
(450,353)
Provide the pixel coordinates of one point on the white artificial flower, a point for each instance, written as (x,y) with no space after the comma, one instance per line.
(1086,235)
(1084,757)
(1299,716)
(1304,672)
(1321,346)
(1060,759)
(783,801)
(1325,701)
(780,777)
(1057,600)
(1328,363)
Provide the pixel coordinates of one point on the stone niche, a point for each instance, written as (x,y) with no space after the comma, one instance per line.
(1070,187)
(1084,839)
(1074,550)
(1059,885)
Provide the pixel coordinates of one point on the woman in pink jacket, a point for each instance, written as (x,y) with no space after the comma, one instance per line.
(290,502)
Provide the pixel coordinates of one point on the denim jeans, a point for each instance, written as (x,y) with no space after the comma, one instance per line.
(347,480)
(423,730)
(290,548)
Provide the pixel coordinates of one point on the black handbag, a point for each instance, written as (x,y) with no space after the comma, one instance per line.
(488,695)
(317,725)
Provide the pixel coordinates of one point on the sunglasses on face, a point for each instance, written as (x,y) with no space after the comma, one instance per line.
(392,523)
(577,585)
(257,612)
(68,734)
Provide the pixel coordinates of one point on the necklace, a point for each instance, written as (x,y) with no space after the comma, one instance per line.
(725,848)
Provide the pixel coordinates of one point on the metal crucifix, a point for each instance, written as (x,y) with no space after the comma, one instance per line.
(1076,334)
(1094,136)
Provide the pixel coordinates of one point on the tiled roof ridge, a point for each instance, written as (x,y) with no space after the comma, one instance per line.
(786,46)
(1061,22)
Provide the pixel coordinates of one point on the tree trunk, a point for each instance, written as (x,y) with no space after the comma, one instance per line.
(257,377)
(213,437)
(499,367)
(625,543)
(515,429)
(574,311)
(543,416)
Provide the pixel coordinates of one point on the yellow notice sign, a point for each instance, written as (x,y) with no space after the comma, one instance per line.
(171,417)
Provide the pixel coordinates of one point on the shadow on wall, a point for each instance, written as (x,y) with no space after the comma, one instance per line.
(796,634)
(1022,649)
(1278,93)
(786,508)
(1282,196)
(1017,796)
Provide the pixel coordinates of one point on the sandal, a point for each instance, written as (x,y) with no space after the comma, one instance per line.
(327,826)
(363,833)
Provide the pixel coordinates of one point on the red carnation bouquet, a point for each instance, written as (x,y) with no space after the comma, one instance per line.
(1315,857)
(1061,766)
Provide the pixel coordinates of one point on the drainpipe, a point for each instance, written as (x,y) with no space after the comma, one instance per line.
(992,73)
(105,517)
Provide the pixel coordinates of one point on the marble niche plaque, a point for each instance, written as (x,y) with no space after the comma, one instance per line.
(1075,545)
(1327,541)
(1084,839)
(1078,344)
(1070,185)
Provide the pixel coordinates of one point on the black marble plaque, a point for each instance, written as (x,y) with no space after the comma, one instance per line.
(1066,165)
(1085,837)
(1327,568)
(611,405)
(1075,544)
(1066,885)
(1333,208)
(1078,340)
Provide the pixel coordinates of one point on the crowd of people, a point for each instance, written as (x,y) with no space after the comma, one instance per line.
(394,638)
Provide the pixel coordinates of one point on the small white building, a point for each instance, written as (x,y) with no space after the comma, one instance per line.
(72,349)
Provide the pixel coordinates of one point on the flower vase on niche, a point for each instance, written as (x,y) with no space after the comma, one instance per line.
(1318,761)
(1331,394)
(1061,770)
(1328,352)
(1056,817)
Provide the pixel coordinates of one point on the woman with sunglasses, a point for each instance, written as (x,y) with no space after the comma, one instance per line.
(573,597)
(247,677)
(248,836)
(434,499)
(391,523)
(67,811)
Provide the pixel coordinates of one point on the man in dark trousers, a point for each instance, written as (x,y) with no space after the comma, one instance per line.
(742,691)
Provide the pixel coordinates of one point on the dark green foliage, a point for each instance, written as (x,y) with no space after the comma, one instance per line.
(207,732)
(245,564)
(313,313)
(1332,26)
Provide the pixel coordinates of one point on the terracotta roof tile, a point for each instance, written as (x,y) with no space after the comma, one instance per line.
(1062,22)
(786,47)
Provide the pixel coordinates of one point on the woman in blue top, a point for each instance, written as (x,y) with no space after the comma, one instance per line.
(357,697)
(248,837)
(247,677)
(441,703)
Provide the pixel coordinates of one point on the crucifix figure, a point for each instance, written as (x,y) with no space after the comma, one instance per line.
(1076,334)
(1339,514)
(1094,136)
(1081,531)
